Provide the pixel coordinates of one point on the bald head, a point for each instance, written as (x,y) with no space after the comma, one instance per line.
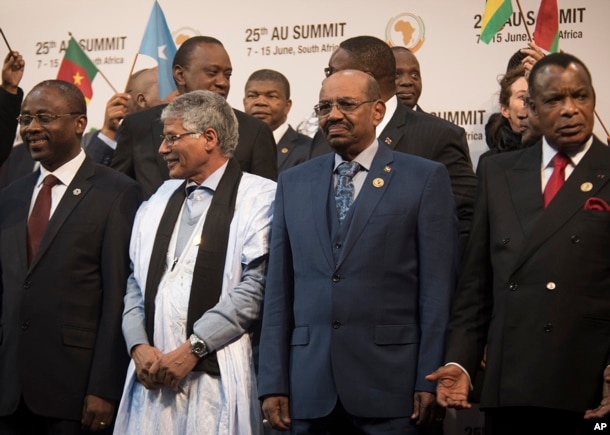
(143,86)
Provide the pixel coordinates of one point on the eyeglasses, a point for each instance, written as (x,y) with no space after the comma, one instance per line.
(323,108)
(328,71)
(43,118)
(171,139)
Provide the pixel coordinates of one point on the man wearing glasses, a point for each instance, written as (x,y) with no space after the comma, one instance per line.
(64,236)
(362,266)
(199,256)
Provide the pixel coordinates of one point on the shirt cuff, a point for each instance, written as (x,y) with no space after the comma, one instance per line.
(464,370)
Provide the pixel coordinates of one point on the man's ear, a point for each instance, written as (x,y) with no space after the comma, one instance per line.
(81,124)
(178,73)
(211,138)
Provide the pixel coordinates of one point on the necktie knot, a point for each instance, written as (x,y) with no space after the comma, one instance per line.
(50,180)
(560,161)
(348,169)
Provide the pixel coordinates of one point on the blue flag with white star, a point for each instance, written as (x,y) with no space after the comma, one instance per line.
(159,44)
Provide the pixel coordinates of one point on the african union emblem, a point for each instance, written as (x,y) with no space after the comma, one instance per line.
(407,30)
(184,33)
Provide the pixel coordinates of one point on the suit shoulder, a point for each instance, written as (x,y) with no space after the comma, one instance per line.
(411,160)
(438,123)
(248,121)
(105,175)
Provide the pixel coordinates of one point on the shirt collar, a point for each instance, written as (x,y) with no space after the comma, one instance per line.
(364,159)
(66,172)
(548,152)
(210,183)
(279,132)
(390,107)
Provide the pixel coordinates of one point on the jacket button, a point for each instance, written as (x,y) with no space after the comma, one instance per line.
(338,245)
(505,240)
(512,286)
(548,327)
(25,325)
(336,278)
(575,239)
(551,286)
(336,324)
(27,285)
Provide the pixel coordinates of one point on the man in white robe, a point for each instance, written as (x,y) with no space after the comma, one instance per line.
(199,255)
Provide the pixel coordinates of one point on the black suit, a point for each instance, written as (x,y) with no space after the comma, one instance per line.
(98,150)
(433,138)
(18,164)
(10,106)
(60,324)
(292,149)
(544,274)
(139,139)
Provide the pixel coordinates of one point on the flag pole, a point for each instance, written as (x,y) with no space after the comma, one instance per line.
(98,70)
(527,30)
(6,41)
(131,70)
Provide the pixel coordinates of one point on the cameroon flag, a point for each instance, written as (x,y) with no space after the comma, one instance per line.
(77,68)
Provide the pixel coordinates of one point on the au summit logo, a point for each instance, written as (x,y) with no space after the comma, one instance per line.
(406,29)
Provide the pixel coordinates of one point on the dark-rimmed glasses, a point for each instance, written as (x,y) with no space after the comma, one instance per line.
(43,118)
(323,108)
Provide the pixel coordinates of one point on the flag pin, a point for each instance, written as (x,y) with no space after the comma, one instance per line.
(387,168)
(76,192)
(600,176)
(284,150)
(586,187)
(378,182)
(388,141)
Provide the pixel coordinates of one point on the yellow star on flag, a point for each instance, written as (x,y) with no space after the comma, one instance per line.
(77,78)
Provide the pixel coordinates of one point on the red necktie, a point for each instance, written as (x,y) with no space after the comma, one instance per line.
(560,161)
(39,218)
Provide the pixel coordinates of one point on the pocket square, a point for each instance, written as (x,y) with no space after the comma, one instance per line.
(598,204)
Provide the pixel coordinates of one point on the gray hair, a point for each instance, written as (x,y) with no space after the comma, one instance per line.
(200,110)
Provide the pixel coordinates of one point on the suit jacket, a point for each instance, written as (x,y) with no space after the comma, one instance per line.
(18,164)
(536,285)
(433,138)
(362,320)
(10,106)
(98,150)
(293,148)
(139,139)
(60,324)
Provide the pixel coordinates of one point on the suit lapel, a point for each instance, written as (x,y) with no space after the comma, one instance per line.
(285,146)
(523,181)
(375,185)
(22,228)
(594,168)
(393,132)
(75,192)
(319,192)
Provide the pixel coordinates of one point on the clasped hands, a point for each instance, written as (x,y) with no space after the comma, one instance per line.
(156,369)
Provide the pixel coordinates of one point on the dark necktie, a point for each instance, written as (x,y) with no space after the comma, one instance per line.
(39,218)
(344,193)
(560,161)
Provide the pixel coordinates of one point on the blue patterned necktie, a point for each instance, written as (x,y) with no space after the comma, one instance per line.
(344,193)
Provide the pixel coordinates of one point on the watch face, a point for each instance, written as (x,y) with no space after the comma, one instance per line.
(198,348)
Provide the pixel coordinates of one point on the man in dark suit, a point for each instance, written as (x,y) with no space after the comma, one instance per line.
(11,96)
(408,77)
(201,63)
(267,97)
(62,355)
(539,263)
(142,92)
(406,130)
(355,310)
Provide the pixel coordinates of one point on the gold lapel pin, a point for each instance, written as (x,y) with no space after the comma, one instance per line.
(284,150)
(76,192)
(378,182)
(386,168)
(388,141)
(586,187)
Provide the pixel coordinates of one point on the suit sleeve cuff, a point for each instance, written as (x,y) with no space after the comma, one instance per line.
(464,370)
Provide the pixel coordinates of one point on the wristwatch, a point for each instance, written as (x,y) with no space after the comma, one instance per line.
(198,347)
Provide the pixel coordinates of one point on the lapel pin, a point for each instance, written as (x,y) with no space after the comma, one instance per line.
(388,141)
(378,182)
(600,176)
(386,168)
(284,150)
(586,187)
(76,192)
